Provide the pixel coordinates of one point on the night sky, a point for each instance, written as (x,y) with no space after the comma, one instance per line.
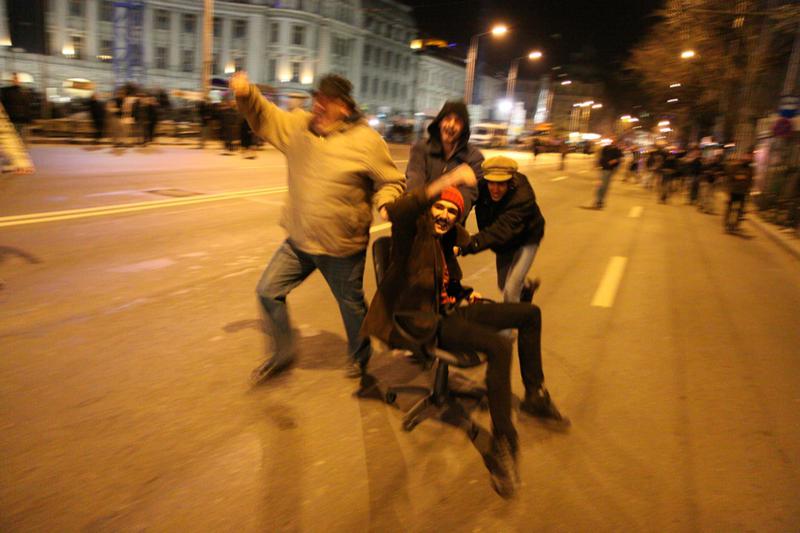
(598,32)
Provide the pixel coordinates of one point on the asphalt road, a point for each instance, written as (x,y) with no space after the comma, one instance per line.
(129,326)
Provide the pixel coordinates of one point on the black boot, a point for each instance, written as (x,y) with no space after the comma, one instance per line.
(537,403)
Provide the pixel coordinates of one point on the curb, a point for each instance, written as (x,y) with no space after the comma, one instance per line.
(783,239)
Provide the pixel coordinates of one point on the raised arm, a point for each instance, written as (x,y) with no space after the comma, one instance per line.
(266,119)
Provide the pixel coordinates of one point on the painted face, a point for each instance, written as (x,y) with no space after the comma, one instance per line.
(450,128)
(445,214)
(497,189)
(326,111)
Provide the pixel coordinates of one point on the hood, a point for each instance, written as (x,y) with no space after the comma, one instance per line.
(452,106)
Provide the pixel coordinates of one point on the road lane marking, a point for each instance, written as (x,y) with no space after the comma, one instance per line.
(70,214)
(607,291)
(559,178)
(636,211)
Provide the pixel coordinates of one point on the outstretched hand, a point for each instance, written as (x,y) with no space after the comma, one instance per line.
(239,83)
(463,175)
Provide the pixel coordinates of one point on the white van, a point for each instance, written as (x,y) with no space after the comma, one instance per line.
(489,134)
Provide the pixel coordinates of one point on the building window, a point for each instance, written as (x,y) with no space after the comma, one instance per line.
(272,68)
(76,8)
(189,23)
(385,89)
(403,92)
(162,19)
(161,57)
(240,29)
(394,90)
(397,62)
(274,32)
(295,72)
(298,35)
(106,49)
(374,86)
(107,11)
(364,85)
(77,44)
(367,54)
(217,27)
(387,59)
(187,61)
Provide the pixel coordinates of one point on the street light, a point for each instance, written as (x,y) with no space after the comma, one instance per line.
(472,57)
(566,82)
(672,100)
(674,85)
(514,69)
(687,54)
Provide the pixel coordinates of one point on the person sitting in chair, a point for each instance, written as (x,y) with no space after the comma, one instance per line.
(423,280)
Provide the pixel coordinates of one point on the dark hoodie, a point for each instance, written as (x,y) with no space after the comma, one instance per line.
(427,160)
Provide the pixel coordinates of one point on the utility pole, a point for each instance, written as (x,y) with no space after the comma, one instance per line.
(208,41)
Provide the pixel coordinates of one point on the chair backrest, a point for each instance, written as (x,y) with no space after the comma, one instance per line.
(381,249)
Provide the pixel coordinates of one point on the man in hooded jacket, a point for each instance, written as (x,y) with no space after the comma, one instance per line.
(446,147)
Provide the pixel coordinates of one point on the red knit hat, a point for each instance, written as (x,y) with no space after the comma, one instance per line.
(453,195)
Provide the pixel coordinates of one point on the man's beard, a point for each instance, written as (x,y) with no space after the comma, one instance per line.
(441,224)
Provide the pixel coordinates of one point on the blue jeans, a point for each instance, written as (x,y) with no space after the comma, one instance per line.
(287,269)
(512,267)
(602,189)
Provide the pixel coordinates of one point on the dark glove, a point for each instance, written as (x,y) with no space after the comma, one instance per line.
(470,248)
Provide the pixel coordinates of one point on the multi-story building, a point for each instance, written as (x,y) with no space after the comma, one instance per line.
(286,44)
(440,77)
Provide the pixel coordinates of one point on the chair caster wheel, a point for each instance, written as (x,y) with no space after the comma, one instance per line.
(390,397)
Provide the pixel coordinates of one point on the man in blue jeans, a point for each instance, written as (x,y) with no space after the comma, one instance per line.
(339,170)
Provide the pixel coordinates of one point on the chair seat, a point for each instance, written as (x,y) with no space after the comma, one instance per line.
(460,359)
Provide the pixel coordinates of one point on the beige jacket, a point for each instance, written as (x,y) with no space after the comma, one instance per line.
(334,181)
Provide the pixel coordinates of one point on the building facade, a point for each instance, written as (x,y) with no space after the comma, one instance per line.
(286,44)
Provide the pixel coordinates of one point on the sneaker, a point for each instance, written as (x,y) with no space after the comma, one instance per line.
(529,289)
(268,370)
(537,403)
(502,465)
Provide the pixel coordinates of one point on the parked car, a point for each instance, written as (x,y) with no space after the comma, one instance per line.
(489,135)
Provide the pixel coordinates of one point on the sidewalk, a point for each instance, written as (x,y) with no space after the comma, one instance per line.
(786,238)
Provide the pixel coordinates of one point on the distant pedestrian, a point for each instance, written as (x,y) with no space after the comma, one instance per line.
(339,171)
(537,148)
(97,110)
(713,171)
(563,149)
(231,126)
(610,159)
(205,113)
(693,163)
(246,140)
(739,179)
(669,174)
(17,103)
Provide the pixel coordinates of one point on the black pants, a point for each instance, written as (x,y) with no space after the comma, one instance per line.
(477,327)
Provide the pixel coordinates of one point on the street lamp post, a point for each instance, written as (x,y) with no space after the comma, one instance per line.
(513,71)
(472,58)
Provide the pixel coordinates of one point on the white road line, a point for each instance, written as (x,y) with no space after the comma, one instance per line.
(636,211)
(607,291)
(559,178)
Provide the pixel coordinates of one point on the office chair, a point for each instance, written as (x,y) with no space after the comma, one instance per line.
(439,395)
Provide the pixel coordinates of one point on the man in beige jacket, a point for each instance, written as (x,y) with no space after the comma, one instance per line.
(339,170)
